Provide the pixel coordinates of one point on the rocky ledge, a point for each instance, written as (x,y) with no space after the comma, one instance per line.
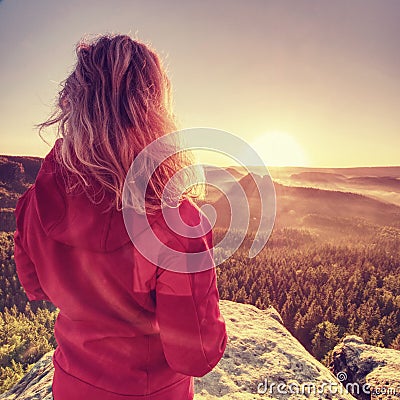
(369,372)
(262,361)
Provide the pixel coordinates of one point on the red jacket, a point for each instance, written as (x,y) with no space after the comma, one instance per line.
(126,328)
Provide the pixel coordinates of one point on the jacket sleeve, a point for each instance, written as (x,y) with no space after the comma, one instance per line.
(26,270)
(192,330)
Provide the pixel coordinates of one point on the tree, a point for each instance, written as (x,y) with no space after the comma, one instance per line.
(326,336)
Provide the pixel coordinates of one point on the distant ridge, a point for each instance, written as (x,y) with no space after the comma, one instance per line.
(321,199)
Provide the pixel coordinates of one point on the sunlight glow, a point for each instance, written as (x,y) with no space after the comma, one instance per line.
(279,149)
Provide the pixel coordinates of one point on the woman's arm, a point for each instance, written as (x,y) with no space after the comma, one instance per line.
(26,270)
(192,330)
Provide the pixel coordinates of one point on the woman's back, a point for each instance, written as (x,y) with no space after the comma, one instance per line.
(126,327)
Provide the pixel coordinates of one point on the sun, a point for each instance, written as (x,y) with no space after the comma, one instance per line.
(279,149)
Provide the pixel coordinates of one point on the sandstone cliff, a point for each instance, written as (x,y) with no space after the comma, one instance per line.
(262,360)
(374,372)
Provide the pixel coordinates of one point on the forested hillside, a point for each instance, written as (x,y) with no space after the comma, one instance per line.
(324,285)
(322,290)
(26,328)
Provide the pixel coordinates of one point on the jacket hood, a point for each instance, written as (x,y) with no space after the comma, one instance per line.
(71,218)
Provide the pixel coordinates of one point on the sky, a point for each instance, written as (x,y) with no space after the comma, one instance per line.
(305,82)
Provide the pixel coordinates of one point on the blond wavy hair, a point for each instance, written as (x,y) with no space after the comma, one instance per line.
(116,101)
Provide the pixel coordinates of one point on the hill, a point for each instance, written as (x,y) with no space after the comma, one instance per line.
(323,200)
(326,212)
(16,175)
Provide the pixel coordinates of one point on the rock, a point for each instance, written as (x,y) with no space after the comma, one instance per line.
(261,354)
(374,371)
(36,384)
(262,351)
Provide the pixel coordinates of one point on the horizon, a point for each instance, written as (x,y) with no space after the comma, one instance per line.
(253,166)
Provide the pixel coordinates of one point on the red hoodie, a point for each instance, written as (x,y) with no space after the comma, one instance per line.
(127,329)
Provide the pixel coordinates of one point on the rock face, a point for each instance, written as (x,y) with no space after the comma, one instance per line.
(262,360)
(375,371)
(36,384)
(261,355)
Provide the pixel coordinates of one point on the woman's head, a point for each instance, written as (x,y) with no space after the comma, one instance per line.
(115,102)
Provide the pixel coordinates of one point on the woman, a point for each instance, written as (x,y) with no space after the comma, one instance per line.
(127,328)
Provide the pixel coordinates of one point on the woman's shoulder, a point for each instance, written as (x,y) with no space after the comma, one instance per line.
(190,212)
(187,224)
